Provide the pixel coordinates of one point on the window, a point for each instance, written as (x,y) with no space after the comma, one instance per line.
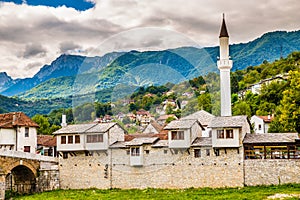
(259,126)
(197,153)
(50,151)
(26,132)
(77,139)
(207,152)
(217,152)
(220,134)
(165,151)
(70,139)
(94,138)
(65,155)
(229,133)
(63,140)
(128,152)
(177,135)
(147,151)
(27,149)
(135,151)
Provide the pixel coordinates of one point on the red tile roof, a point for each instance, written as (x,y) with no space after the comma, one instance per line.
(142,112)
(266,119)
(46,140)
(163,135)
(10,120)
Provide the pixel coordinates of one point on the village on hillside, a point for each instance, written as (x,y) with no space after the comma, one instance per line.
(164,151)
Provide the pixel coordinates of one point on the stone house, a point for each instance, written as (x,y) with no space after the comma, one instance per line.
(88,137)
(18,132)
(261,123)
(229,131)
(153,127)
(204,118)
(181,133)
(46,145)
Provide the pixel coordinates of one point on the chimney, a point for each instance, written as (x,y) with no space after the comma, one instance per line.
(64,120)
(14,119)
(269,116)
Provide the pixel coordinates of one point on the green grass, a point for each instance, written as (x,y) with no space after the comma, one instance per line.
(259,192)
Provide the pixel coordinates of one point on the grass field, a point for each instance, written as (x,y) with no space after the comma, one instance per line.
(289,191)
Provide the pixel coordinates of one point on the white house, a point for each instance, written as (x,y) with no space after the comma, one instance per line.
(229,131)
(88,137)
(143,117)
(182,133)
(18,132)
(261,123)
(138,147)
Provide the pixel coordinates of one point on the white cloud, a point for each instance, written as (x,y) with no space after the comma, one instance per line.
(38,34)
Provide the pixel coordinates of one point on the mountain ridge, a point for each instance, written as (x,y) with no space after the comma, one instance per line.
(119,68)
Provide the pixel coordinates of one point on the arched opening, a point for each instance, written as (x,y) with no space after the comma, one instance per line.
(21,180)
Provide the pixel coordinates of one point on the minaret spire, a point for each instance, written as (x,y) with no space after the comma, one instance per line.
(224,65)
(223,32)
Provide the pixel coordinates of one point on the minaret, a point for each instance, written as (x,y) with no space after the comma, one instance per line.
(224,65)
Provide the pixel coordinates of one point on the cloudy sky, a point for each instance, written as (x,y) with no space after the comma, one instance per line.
(33,33)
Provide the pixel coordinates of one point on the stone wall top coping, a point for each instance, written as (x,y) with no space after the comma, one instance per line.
(25,155)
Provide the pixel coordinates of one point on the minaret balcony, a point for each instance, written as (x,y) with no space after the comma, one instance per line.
(224,64)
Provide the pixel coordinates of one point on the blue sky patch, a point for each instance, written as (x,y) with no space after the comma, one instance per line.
(80,5)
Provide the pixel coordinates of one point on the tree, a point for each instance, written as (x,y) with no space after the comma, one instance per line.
(290,104)
(241,108)
(133,107)
(169,119)
(204,102)
(44,124)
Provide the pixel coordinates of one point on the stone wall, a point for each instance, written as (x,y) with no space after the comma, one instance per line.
(162,168)
(2,185)
(267,171)
(48,177)
(84,170)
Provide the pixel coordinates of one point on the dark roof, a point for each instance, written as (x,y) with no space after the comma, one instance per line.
(202,141)
(202,116)
(46,140)
(228,121)
(75,128)
(161,143)
(270,138)
(182,124)
(118,144)
(10,120)
(223,32)
(85,128)
(141,141)
(155,125)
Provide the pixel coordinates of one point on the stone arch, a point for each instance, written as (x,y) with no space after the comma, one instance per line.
(24,163)
(21,179)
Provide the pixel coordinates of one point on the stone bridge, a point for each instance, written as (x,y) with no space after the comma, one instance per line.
(26,173)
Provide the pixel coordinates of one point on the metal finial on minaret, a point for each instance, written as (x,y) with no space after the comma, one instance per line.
(224,65)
